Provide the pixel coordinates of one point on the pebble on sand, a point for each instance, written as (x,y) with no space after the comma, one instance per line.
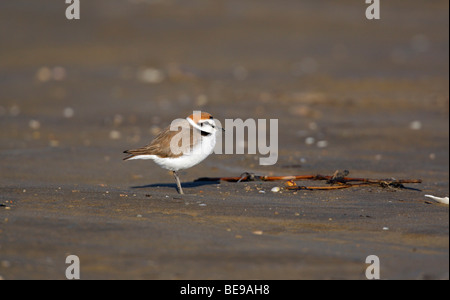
(68,112)
(415,125)
(310,140)
(150,75)
(114,135)
(322,144)
(34,124)
(44,74)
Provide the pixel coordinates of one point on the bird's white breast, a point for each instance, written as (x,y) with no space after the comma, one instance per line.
(199,152)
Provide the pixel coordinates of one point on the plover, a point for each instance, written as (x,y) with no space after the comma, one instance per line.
(182,145)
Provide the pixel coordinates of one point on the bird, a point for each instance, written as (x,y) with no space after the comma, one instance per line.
(182,145)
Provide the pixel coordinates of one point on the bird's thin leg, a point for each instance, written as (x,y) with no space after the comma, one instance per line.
(180,190)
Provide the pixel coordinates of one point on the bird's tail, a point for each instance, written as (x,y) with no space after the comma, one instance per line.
(128,152)
(135,152)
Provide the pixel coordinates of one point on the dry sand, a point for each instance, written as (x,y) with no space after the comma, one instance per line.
(75,94)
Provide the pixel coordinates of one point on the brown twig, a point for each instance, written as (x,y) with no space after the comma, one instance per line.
(291,185)
(337,178)
(250,177)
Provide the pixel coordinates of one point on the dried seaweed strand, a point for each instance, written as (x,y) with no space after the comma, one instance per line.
(338,180)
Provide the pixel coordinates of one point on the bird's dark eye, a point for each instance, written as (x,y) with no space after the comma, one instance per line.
(201,124)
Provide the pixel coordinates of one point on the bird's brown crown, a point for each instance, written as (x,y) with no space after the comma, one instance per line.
(203,116)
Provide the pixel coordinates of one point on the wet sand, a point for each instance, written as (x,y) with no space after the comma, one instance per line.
(367,96)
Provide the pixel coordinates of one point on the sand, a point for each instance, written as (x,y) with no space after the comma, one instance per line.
(370,97)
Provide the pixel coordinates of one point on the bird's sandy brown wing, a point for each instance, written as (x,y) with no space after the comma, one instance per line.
(160,146)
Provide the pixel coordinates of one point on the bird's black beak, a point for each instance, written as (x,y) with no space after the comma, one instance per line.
(218,127)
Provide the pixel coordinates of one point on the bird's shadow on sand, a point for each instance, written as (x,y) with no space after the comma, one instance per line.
(187,185)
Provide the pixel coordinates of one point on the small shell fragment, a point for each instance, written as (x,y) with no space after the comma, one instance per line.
(275,189)
(322,144)
(290,184)
(415,125)
(443,200)
(34,124)
(114,135)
